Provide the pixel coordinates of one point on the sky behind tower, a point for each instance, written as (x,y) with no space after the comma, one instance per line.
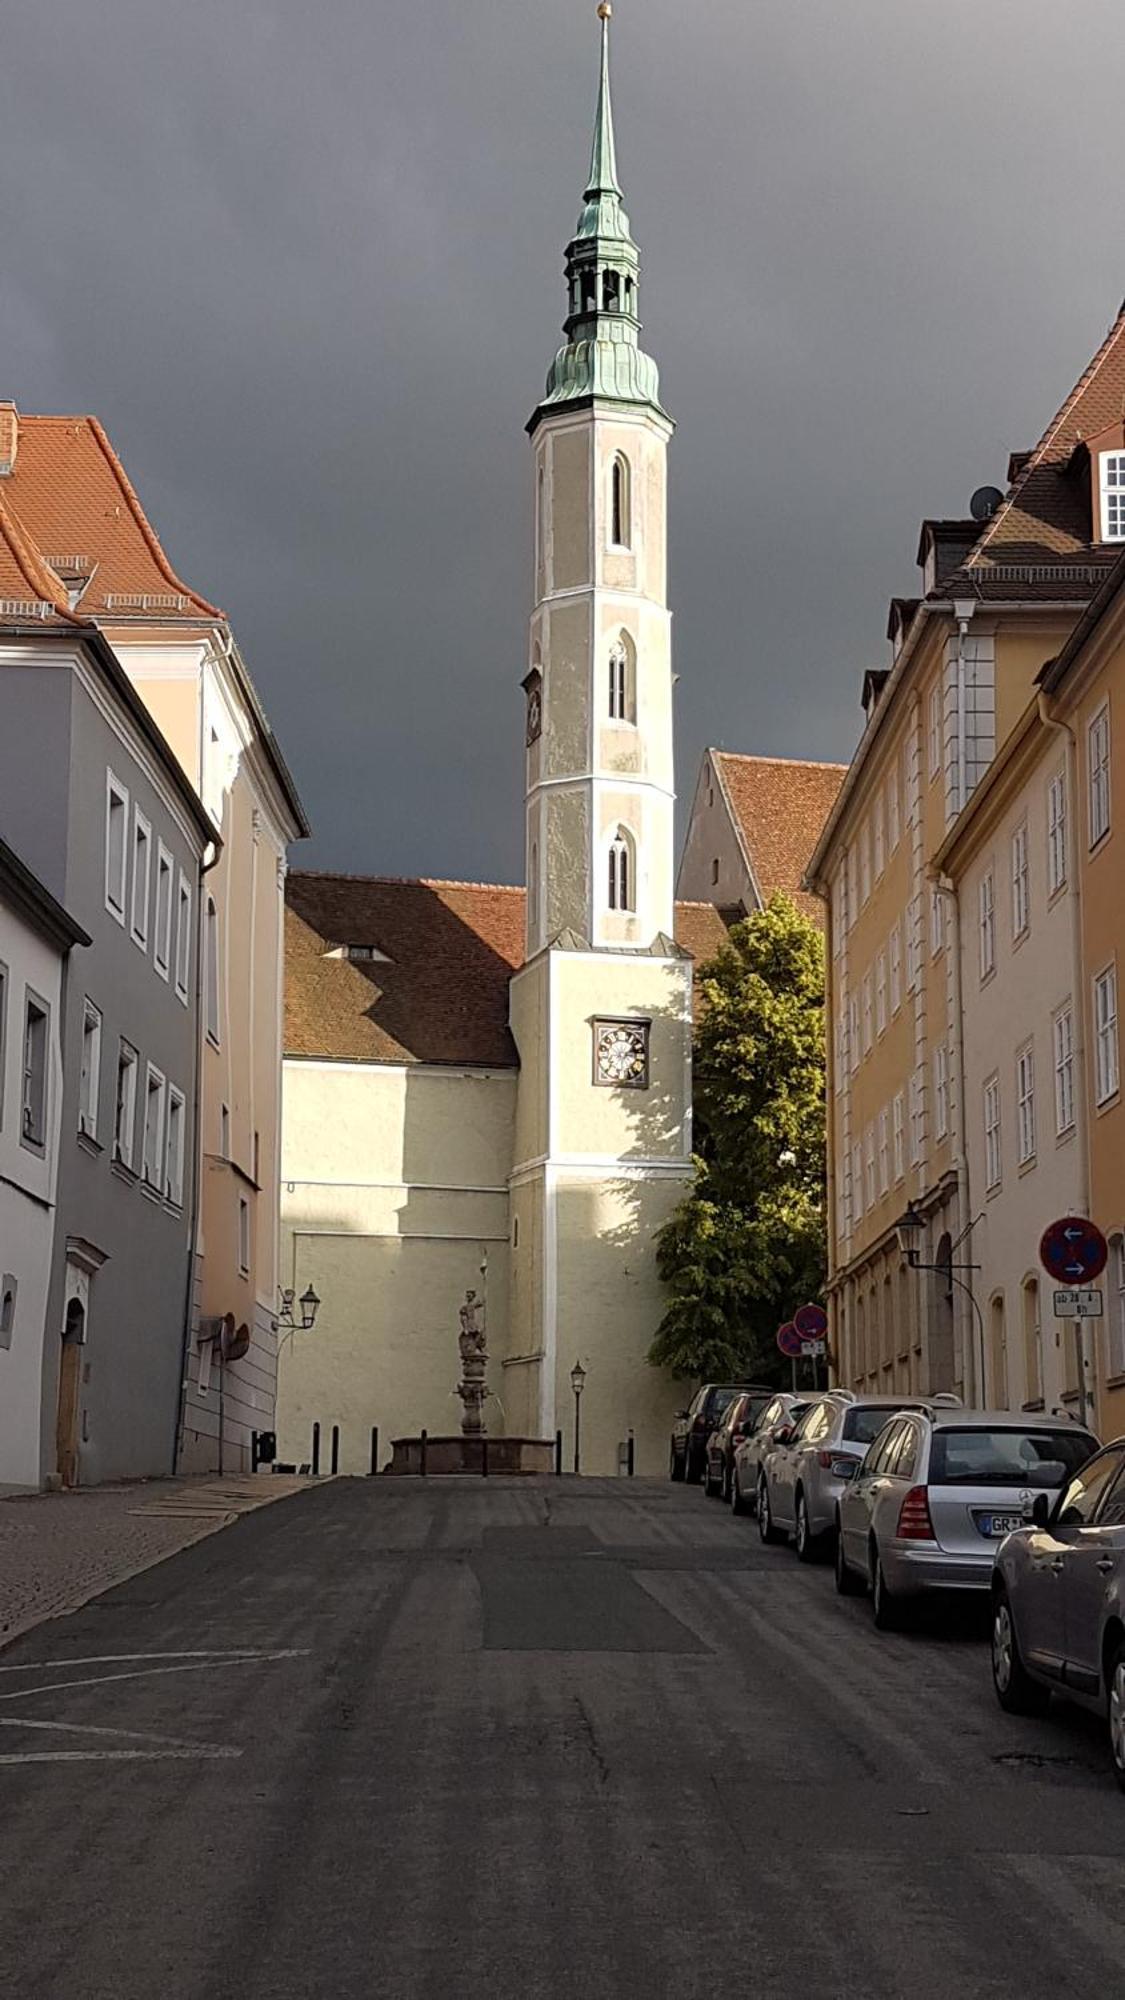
(305,264)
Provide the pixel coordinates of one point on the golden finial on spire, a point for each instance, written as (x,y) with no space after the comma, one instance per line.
(605,11)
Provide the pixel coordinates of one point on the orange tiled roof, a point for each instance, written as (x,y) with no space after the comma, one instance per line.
(29,591)
(779,805)
(439,993)
(75,503)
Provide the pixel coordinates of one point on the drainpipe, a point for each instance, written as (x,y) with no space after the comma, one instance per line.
(960,1158)
(196,1163)
(1087,1347)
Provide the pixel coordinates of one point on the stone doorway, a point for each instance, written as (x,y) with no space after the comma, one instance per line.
(70,1392)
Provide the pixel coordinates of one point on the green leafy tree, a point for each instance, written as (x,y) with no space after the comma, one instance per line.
(747,1245)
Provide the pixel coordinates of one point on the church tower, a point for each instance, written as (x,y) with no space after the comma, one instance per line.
(601,1011)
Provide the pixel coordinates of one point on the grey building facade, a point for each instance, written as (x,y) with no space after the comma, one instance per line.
(102,812)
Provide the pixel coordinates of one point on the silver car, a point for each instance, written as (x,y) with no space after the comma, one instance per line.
(936,1495)
(1058,1601)
(778,1415)
(802,1476)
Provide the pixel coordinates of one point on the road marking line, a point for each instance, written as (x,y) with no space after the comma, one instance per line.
(115,1756)
(148,1673)
(119,1659)
(93,1729)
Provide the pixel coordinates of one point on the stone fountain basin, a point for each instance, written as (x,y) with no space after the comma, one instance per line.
(445,1455)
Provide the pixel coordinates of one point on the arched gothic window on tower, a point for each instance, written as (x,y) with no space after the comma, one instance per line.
(611,291)
(620,503)
(622,681)
(621,872)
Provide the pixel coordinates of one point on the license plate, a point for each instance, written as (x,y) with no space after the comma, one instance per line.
(996,1526)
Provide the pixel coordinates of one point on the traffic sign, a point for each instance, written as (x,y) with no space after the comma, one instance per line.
(812,1322)
(1074,1251)
(1079,1303)
(789,1341)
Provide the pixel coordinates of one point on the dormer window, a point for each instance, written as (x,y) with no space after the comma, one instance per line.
(1112,464)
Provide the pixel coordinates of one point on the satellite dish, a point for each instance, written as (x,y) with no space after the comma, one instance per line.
(984,502)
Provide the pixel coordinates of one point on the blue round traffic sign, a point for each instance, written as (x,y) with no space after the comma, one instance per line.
(811,1322)
(1073,1250)
(789,1341)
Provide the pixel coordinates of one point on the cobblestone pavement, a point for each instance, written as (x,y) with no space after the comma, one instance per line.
(57,1550)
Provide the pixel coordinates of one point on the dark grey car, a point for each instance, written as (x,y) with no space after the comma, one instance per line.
(1058,1601)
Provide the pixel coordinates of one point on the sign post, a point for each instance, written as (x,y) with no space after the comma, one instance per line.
(811,1324)
(1074,1253)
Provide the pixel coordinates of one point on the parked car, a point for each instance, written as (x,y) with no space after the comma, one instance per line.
(1058,1601)
(693,1427)
(937,1493)
(802,1475)
(779,1415)
(739,1418)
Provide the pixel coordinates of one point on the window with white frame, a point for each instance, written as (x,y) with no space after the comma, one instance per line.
(898,1126)
(986,899)
(174,1148)
(992,1160)
(142,877)
(183,938)
(868,1015)
(865,863)
(941,1091)
(211,961)
(895,951)
(1105,1034)
(622,890)
(894,810)
(869,1165)
(857,1178)
(879,824)
(162,941)
(854,1051)
(1025,1106)
(152,1155)
(852,886)
(125,1106)
(1063,1035)
(884,1150)
(881,993)
(1056,833)
(841,1050)
(244,1235)
(937,920)
(1097,766)
(1021,904)
(622,681)
(917,1117)
(839,912)
(914,944)
(36,1031)
(91,1069)
(935,729)
(116,845)
(1111,469)
(1115,1318)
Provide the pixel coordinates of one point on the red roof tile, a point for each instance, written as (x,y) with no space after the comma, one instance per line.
(780,805)
(439,991)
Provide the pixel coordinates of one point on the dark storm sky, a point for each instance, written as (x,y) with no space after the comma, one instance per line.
(304,262)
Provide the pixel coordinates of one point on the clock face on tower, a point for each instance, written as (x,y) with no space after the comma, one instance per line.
(534,713)
(621,1054)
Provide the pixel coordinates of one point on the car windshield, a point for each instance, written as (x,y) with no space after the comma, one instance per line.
(1003,1457)
(721,1400)
(862,1426)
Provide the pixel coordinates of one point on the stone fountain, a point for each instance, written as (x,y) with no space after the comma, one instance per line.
(474,1450)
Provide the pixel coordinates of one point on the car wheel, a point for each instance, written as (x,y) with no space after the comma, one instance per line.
(766,1528)
(886,1609)
(1116,1680)
(803,1535)
(848,1583)
(1015,1689)
(675,1464)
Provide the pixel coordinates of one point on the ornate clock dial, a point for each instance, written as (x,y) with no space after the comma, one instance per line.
(621,1054)
(534,715)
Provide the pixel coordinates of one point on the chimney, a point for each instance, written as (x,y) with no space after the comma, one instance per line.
(9,438)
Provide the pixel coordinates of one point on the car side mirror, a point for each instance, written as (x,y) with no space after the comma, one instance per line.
(681,1416)
(847,1469)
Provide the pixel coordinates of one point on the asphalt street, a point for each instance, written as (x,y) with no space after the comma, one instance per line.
(514,1740)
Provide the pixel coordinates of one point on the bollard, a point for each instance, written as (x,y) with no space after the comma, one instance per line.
(484,1457)
(335,1449)
(316,1451)
(423,1443)
(631,1456)
(374,1450)
(253,1451)
(558,1454)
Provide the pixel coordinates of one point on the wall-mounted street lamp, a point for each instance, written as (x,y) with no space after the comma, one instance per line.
(309,1304)
(578,1383)
(909,1230)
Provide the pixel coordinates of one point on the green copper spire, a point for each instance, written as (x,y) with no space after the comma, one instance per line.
(602,360)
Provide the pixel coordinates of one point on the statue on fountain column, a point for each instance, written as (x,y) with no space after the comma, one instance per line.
(472,1388)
